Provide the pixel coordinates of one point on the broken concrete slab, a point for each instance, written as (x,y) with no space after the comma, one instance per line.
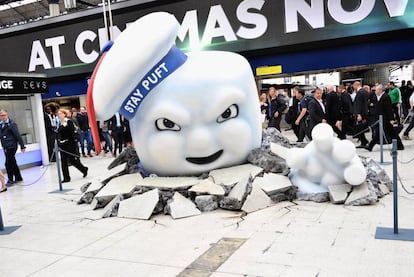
(207,186)
(235,199)
(124,185)
(256,200)
(272,183)
(339,193)
(169,182)
(141,206)
(383,188)
(206,203)
(179,207)
(267,160)
(363,194)
(111,209)
(231,175)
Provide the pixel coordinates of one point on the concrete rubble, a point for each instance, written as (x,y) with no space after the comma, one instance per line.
(180,207)
(141,206)
(247,187)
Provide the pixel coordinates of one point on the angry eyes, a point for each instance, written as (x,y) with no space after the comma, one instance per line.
(164,124)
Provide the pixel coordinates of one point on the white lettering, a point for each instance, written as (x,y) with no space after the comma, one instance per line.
(350,17)
(190,25)
(217,17)
(145,84)
(313,14)
(79,49)
(38,57)
(54,43)
(396,7)
(258,20)
(138,93)
(6,84)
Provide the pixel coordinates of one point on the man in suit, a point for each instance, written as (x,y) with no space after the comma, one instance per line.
(384,107)
(333,116)
(317,110)
(50,127)
(360,110)
(10,137)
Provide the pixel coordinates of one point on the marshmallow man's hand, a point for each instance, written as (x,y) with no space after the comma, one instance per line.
(326,160)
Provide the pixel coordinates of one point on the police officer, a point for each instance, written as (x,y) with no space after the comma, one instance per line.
(10,136)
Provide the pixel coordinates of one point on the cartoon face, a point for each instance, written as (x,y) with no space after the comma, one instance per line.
(204,116)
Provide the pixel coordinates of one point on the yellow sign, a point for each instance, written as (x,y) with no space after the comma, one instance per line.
(268,70)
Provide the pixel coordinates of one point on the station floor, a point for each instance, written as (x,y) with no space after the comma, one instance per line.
(48,234)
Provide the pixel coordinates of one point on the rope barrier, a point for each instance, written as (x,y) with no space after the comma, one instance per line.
(366,129)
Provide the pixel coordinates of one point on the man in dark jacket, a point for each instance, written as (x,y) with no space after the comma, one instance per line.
(360,110)
(317,110)
(83,122)
(384,108)
(10,136)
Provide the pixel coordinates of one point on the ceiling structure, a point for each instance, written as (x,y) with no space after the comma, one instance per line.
(14,12)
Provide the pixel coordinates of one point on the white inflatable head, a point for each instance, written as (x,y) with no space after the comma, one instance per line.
(188,113)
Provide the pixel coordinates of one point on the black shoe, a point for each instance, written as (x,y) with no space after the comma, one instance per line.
(400,147)
(369,148)
(3,190)
(362,146)
(85,172)
(65,180)
(10,183)
(19,180)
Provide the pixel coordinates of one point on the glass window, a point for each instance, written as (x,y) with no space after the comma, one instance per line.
(19,109)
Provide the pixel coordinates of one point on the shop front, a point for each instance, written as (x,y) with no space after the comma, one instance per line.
(20,96)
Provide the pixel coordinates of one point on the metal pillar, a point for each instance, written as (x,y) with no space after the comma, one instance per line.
(395,233)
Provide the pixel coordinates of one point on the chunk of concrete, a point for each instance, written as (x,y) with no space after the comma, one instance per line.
(124,185)
(179,207)
(169,182)
(363,194)
(231,175)
(383,188)
(256,200)
(208,186)
(206,203)
(272,183)
(111,209)
(267,160)
(237,196)
(339,193)
(141,206)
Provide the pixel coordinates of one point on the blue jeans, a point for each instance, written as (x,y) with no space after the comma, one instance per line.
(86,135)
(108,141)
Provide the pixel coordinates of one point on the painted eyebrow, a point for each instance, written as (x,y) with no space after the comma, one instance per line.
(223,101)
(171,111)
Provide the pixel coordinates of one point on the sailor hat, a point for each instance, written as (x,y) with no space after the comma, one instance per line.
(141,57)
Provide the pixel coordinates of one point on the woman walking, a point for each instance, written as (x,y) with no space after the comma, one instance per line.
(68,144)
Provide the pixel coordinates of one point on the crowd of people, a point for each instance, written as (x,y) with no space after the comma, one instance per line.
(71,129)
(350,110)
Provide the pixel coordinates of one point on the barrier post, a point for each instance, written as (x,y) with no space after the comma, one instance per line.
(394,233)
(1,221)
(58,165)
(381,138)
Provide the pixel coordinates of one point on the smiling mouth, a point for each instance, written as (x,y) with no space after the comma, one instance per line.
(205,160)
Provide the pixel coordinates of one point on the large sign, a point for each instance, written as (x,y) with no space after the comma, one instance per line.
(22,85)
(242,25)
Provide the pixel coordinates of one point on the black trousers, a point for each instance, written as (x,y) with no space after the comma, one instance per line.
(13,171)
(51,138)
(68,153)
(275,122)
(118,136)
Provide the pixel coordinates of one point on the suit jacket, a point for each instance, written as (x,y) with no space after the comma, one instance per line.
(316,113)
(384,108)
(332,107)
(360,105)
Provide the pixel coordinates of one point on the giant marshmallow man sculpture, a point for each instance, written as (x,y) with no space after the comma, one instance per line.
(189,113)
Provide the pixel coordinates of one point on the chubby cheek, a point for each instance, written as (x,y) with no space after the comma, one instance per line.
(235,137)
(166,148)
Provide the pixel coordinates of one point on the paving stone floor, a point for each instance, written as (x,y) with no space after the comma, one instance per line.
(57,237)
